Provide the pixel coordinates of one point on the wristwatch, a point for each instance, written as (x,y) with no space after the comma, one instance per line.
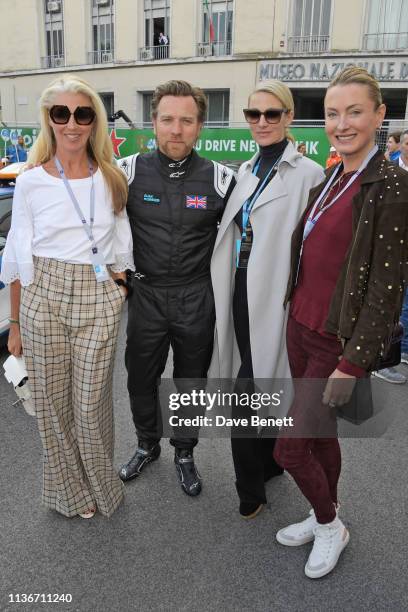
(122,283)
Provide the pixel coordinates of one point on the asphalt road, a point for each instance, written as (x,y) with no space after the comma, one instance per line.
(163,551)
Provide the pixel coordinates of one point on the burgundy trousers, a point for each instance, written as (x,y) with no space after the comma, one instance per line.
(313,462)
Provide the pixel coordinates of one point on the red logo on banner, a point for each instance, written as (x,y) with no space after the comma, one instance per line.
(116,142)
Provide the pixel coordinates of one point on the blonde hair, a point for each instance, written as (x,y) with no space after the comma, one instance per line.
(284,95)
(99,144)
(356,74)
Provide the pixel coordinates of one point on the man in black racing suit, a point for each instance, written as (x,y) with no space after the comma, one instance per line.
(176,199)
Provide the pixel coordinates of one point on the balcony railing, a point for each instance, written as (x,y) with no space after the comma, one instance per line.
(205,49)
(386,41)
(308,44)
(53,61)
(156,52)
(100,57)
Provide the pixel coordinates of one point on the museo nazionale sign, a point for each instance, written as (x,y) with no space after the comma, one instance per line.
(218,144)
(391,69)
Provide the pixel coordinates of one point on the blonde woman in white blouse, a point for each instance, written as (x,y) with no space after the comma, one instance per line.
(65,259)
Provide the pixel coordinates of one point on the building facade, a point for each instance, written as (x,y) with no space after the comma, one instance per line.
(126,47)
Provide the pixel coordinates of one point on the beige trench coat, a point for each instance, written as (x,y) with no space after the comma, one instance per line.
(273,219)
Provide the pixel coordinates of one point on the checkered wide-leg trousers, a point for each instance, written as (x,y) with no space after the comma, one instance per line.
(69,326)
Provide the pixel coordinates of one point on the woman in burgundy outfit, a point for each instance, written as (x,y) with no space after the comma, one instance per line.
(345,289)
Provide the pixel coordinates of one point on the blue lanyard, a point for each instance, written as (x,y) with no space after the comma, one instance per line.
(249,204)
(88,227)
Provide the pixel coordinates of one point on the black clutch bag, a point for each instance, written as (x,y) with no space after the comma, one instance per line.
(360,407)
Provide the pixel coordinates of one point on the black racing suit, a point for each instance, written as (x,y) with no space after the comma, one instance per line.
(174,209)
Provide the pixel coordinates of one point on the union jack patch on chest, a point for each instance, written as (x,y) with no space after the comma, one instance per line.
(195,201)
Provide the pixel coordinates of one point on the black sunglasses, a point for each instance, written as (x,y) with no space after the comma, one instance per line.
(83,115)
(272,115)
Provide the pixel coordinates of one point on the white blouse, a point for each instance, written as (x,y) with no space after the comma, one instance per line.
(45,224)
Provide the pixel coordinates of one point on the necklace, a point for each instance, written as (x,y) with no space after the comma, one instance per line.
(334,189)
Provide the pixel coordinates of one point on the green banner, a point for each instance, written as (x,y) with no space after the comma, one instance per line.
(218,144)
(221,144)
(9,136)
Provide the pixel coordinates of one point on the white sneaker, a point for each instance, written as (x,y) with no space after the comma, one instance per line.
(329,542)
(298,533)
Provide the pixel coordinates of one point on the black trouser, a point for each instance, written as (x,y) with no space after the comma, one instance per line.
(160,317)
(253,456)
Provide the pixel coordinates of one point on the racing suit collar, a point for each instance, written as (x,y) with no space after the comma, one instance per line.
(174,169)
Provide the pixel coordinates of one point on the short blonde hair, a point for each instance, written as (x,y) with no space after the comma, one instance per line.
(280,91)
(99,144)
(356,74)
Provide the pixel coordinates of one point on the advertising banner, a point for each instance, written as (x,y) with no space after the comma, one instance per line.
(221,144)
(218,144)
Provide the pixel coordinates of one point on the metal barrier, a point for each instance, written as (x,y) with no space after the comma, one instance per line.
(214,48)
(52,61)
(100,57)
(308,44)
(155,52)
(386,41)
(389,126)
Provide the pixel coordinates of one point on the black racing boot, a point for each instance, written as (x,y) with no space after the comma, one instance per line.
(187,472)
(144,454)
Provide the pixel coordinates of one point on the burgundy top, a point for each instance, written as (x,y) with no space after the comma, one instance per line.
(324,252)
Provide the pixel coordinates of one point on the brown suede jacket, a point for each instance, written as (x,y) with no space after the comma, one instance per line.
(367,300)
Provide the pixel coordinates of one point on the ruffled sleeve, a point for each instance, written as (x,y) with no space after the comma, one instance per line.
(122,244)
(17,260)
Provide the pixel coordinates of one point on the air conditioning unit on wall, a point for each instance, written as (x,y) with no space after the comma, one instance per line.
(53,7)
(146,54)
(204,49)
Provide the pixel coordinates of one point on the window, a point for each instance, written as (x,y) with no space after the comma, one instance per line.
(54,34)
(387,25)
(103,42)
(217,113)
(157,29)
(108,100)
(146,108)
(310,26)
(217,27)
(218,108)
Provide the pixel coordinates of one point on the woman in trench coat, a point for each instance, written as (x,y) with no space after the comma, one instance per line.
(250,267)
